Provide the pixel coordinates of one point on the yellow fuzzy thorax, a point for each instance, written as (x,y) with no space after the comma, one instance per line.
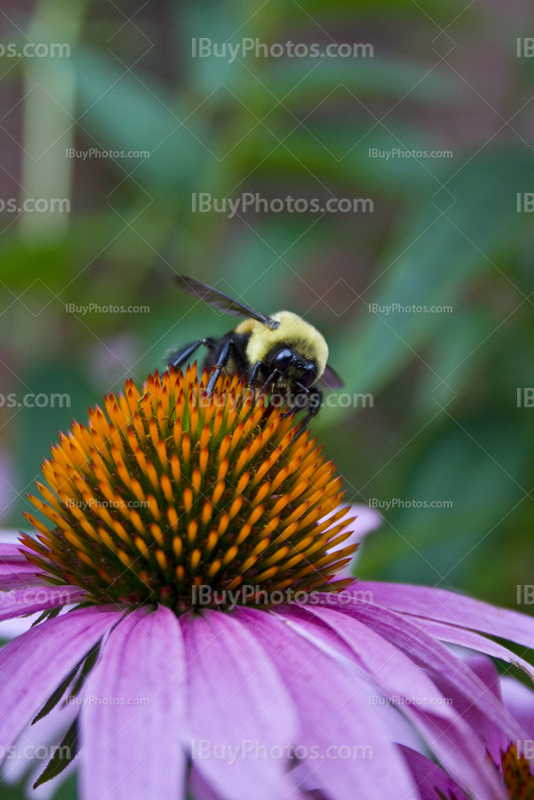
(302,337)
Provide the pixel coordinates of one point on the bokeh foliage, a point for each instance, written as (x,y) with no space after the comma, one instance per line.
(445,425)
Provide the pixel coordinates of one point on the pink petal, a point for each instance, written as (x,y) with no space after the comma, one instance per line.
(237,702)
(20,575)
(367,519)
(13,565)
(21,580)
(16,572)
(430,777)
(27,601)
(35,664)
(47,732)
(133,744)
(455,609)
(519,700)
(489,734)
(333,715)
(200,790)
(399,677)
(487,672)
(466,638)
(407,634)
(14,553)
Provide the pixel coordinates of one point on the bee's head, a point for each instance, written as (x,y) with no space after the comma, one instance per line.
(296,349)
(293,370)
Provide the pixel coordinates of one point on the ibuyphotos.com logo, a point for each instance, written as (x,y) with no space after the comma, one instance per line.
(204,47)
(204,203)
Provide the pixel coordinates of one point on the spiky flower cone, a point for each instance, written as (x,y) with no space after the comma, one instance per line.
(173,490)
(517,776)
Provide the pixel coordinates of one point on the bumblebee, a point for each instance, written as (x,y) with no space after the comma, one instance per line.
(281,354)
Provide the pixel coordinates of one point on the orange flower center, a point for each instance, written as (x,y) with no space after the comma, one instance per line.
(172,491)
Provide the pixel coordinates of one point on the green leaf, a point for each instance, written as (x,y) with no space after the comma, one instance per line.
(257,263)
(21,265)
(345,155)
(37,430)
(222,23)
(50,613)
(454,357)
(52,702)
(478,467)
(68,789)
(302,80)
(438,254)
(88,665)
(13,792)
(438,10)
(127,113)
(61,760)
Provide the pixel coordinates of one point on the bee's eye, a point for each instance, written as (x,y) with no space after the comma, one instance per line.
(282,360)
(309,377)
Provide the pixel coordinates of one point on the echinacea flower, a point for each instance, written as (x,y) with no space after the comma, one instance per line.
(512,760)
(193,619)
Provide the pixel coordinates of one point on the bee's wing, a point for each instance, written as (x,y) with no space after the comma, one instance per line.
(331,379)
(221,301)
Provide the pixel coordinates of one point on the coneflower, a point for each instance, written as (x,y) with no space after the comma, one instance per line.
(208,646)
(174,489)
(512,760)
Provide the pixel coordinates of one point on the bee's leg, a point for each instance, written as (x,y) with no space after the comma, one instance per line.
(184,353)
(254,374)
(267,383)
(297,405)
(303,395)
(314,401)
(222,361)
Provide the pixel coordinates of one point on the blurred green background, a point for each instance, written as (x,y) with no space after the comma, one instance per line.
(444,424)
